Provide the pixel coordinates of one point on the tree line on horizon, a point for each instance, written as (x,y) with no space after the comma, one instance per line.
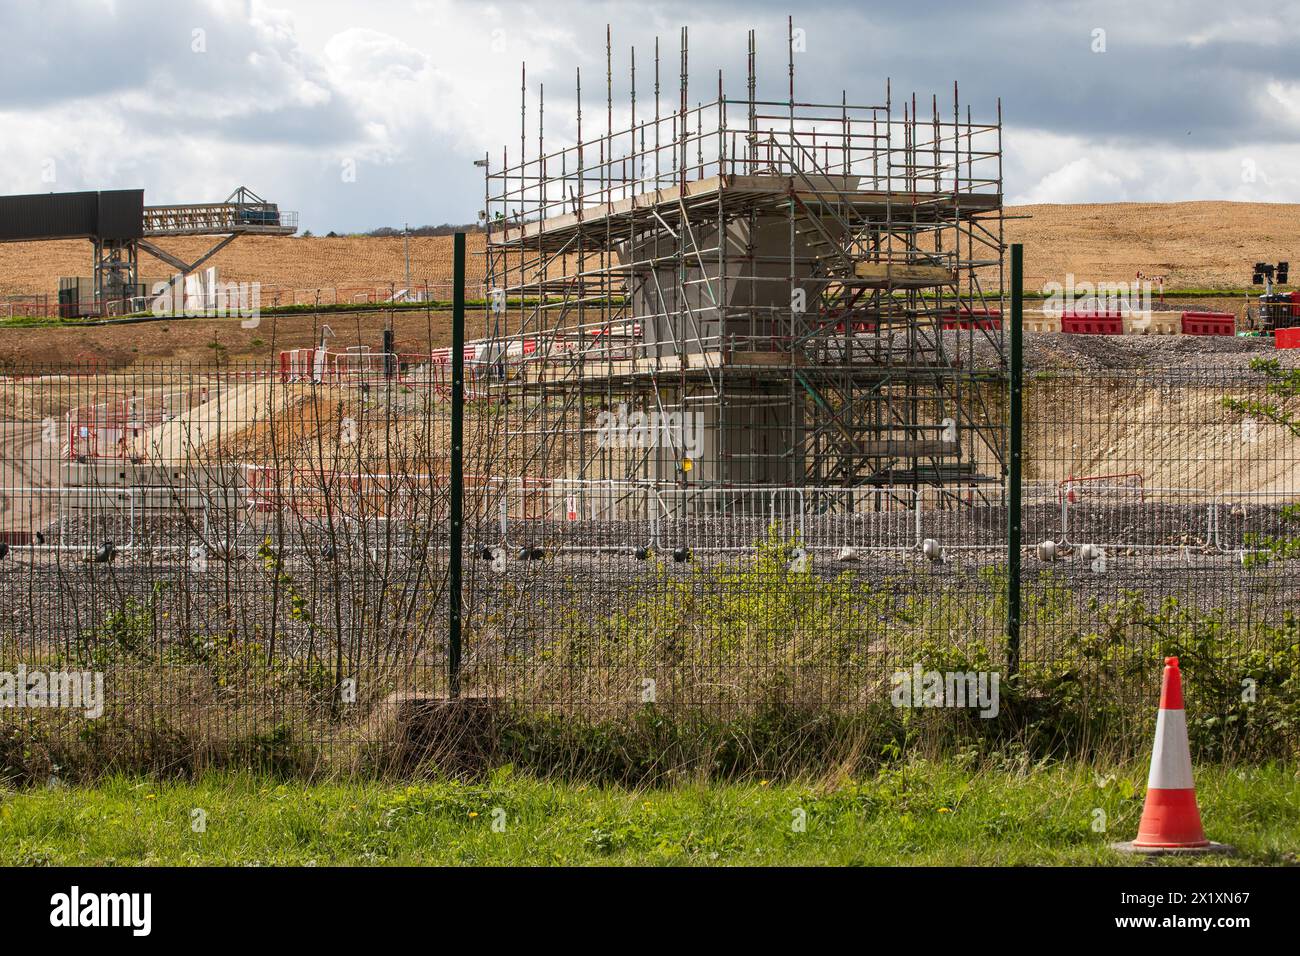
(388,232)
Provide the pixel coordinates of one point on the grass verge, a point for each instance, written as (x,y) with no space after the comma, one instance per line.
(1005,812)
(54,321)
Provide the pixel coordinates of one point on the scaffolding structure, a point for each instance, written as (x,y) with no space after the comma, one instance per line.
(746,292)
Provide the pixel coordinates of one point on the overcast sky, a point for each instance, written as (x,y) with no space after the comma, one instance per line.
(1197,99)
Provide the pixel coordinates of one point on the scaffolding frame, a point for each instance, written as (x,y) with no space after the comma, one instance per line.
(806,279)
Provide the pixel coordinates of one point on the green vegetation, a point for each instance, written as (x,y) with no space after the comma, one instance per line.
(305,308)
(759,670)
(438,306)
(41,322)
(31,322)
(751,638)
(1008,812)
(1282,393)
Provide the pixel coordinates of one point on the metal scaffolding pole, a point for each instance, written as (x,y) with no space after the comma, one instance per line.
(816,286)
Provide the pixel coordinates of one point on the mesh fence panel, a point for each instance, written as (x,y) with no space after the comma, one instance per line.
(241,550)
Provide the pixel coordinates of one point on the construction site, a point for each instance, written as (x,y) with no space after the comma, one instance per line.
(470,435)
(774,277)
(729,329)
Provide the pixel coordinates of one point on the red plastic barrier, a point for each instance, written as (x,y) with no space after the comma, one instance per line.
(1209,323)
(972,319)
(1287,338)
(1092,323)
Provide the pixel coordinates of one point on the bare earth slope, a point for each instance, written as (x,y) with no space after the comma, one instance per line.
(31,268)
(1199,245)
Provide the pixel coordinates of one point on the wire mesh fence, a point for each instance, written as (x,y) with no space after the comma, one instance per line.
(1170,528)
(240,557)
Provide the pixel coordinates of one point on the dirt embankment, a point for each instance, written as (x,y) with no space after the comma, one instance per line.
(1197,245)
(1178,438)
(284,263)
(202,341)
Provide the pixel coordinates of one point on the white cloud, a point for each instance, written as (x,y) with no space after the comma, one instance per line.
(286,90)
(1049,168)
(1282,101)
(1079,180)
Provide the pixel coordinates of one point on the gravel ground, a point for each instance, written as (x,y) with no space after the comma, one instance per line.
(544,597)
(1157,550)
(1050,351)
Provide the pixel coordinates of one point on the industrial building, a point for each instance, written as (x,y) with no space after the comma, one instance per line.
(120,226)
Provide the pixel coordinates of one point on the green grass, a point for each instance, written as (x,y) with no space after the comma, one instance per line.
(914,814)
(54,321)
(442,306)
(31,322)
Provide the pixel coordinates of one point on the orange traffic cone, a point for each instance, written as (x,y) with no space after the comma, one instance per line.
(1171,822)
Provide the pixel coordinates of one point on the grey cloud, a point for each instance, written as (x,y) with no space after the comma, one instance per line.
(283,112)
(247,85)
(1150,83)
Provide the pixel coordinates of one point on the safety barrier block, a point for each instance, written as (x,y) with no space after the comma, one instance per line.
(1209,323)
(1287,338)
(1092,323)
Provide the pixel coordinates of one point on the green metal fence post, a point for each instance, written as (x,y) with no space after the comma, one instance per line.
(1013,474)
(457,463)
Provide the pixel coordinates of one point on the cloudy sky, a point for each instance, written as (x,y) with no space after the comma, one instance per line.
(1102,101)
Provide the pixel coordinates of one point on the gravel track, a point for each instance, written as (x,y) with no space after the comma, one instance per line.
(1153,354)
(1160,551)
